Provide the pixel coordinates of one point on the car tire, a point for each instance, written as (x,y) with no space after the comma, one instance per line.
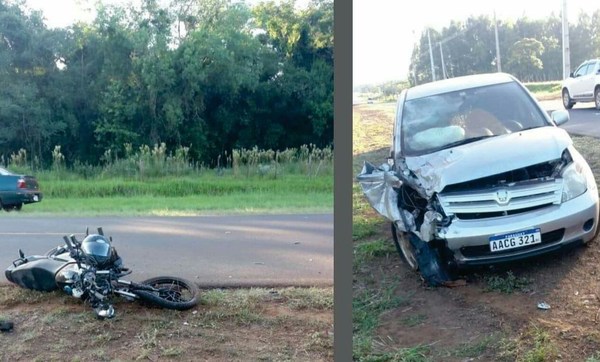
(427,259)
(405,248)
(566,99)
(597,97)
(18,207)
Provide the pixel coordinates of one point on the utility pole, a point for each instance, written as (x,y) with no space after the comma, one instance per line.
(566,50)
(431,58)
(443,65)
(498,62)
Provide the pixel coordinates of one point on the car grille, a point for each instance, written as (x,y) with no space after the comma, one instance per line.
(502,200)
(479,251)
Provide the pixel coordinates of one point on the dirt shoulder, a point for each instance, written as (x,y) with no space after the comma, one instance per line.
(228,325)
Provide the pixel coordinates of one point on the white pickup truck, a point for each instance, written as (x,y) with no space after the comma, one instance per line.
(583,85)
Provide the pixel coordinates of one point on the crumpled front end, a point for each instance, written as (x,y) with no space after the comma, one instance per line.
(550,195)
(392,197)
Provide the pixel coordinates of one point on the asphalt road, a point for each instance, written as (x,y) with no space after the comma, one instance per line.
(264,250)
(584,118)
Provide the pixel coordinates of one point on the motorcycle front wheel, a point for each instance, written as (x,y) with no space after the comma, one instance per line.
(169,292)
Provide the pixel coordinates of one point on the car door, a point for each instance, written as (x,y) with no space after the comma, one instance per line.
(577,88)
(587,80)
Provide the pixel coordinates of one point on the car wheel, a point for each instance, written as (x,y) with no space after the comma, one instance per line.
(18,207)
(566,98)
(597,97)
(421,256)
(405,248)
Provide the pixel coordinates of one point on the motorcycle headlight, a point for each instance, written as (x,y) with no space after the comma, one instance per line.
(575,180)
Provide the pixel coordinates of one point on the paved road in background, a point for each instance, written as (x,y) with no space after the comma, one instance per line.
(265,250)
(584,118)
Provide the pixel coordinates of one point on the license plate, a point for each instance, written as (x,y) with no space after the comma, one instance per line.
(35,198)
(515,240)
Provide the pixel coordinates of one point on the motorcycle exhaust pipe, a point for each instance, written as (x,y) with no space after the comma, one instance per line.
(126,294)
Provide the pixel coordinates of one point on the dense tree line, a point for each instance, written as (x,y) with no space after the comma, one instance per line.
(211,74)
(529,49)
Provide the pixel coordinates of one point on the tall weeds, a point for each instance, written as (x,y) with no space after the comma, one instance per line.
(148,162)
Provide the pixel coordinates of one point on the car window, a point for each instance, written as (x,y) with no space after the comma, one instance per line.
(590,69)
(582,70)
(5,172)
(443,120)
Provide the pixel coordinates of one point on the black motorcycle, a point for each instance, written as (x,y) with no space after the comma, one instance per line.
(91,270)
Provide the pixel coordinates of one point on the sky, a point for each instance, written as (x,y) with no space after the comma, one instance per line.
(385,31)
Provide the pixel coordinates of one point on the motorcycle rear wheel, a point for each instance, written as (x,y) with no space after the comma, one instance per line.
(172,293)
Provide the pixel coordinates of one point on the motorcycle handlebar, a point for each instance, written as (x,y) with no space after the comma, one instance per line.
(69,245)
(72,245)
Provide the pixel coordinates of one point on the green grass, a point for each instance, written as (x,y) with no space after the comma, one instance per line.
(534,345)
(507,284)
(236,203)
(182,186)
(371,298)
(545,90)
(589,148)
(543,348)
(185,196)
(363,227)
(367,251)
(411,354)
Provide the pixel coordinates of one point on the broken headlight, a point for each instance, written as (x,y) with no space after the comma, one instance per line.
(574,181)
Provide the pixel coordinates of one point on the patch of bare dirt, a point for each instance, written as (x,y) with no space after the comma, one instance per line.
(448,319)
(52,326)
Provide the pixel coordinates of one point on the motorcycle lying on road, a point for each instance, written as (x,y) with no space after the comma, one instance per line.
(91,270)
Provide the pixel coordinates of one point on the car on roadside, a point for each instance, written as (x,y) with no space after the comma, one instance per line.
(583,85)
(17,190)
(479,173)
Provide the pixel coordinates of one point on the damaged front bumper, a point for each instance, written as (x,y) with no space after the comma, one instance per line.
(574,221)
(467,241)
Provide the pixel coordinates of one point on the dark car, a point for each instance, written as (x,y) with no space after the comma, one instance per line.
(16,190)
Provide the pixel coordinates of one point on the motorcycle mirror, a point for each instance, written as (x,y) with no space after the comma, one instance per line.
(100,231)
(21,254)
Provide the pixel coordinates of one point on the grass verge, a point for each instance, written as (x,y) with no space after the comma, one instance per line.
(239,203)
(185,196)
(371,297)
(230,324)
(545,90)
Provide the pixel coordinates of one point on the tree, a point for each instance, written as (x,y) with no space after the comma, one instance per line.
(524,59)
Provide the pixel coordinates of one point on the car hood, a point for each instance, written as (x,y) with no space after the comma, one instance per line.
(488,157)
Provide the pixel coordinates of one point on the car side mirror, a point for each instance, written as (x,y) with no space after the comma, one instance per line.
(560,117)
(571,75)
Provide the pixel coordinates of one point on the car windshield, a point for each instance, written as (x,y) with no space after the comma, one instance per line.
(5,172)
(451,119)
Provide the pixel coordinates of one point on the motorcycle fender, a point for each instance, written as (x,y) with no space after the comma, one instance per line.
(38,274)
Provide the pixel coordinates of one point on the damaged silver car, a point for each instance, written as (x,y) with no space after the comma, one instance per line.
(478,173)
